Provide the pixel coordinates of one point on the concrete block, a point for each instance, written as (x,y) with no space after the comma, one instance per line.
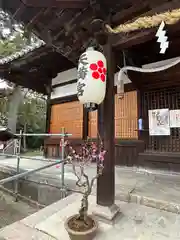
(48,195)
(106,214)
(54,225)
(19,231)
(43,214)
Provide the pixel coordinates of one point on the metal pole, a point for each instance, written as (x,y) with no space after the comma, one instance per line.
(44,134)
(62,156)
(25,157)
(18,151)
(24,174)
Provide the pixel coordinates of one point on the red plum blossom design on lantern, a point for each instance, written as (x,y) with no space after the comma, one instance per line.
(99,71)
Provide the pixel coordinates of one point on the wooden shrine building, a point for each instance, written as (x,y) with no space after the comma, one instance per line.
(125,31)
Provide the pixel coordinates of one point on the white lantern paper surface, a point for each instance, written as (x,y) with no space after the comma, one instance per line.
(91,85)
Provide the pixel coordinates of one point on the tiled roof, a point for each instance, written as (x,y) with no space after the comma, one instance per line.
(21,53)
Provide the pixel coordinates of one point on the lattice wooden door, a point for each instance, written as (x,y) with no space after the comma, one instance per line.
(157,99)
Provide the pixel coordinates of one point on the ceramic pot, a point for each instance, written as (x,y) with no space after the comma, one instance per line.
(86,235)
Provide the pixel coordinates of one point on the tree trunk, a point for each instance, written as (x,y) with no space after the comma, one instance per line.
(13,106)
(14,102)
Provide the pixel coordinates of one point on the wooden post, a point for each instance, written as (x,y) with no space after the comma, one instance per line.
(48,115)
(85,123)
(48,110)
(106,183)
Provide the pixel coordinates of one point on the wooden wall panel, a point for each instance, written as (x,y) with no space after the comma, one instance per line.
(125,117)
(93,124)
(68,115)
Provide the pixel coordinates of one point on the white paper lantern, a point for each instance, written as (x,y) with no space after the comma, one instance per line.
(91,85)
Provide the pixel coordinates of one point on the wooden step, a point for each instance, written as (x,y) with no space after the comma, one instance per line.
(160,160)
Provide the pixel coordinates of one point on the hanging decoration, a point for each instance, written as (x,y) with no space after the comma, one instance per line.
(170,17)
(91,85)
(120,84)
(159,122)
(162,38)
(174,118)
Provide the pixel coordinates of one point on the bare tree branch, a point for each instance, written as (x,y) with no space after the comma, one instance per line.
(78,183)
(85,176)
(87,154)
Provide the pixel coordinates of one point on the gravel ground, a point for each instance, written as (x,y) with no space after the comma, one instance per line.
(11,211)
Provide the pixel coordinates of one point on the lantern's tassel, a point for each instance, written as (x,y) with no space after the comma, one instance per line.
(120,85)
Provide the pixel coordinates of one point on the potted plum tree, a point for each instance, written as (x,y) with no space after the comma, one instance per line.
(83,226)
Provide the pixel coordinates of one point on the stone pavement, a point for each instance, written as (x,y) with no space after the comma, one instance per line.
(135,222)
(11,211)
(137,191)
(154,188)
(132,184)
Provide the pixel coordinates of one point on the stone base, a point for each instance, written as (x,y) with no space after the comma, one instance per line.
(106,214)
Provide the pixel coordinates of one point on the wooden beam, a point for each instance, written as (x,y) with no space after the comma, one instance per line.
(58,19)
(123,41)
(56,3)
(136,9)
(48,109)
(161,76)
(48,125)
(162,84)
(162,7)
(106,182)
(127,40)
(36,17)
(28,83)
(149,51)
(19,11)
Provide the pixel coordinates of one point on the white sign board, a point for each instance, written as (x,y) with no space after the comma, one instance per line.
(175,118)
(159,122)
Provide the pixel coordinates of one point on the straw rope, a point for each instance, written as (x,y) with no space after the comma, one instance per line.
(169,17)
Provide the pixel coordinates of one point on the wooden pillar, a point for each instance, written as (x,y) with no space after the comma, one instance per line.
(106,182)
(48,110)
(139,113)
(48,116)
(85,123)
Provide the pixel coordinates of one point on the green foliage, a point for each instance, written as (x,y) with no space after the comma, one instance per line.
(32,111)
(13,36)
(32,119)
(3,110)
(10,46)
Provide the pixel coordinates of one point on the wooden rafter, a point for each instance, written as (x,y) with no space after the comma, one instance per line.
(131,39)
(135,38)
(19,11)
(69,31)
(136,9)
(167,6)
(56,3)
(149,52)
